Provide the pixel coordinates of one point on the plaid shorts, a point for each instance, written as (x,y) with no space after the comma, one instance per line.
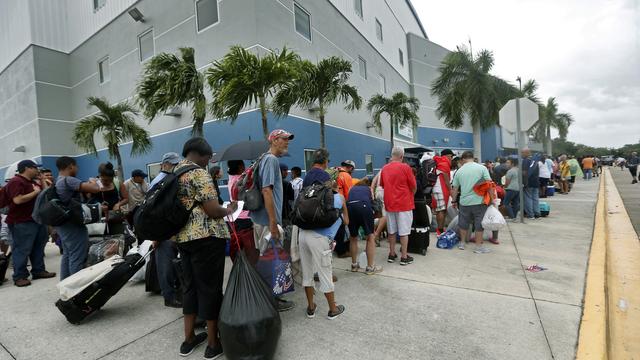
(441,205)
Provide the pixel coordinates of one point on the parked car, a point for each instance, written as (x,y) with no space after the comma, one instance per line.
(608,160)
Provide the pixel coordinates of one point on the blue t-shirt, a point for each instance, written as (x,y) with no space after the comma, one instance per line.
(332,230)
(269,175)
(315,175)
(360,193)
(533,173)
(68,187)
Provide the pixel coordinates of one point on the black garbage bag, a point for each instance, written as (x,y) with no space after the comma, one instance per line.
(249,322)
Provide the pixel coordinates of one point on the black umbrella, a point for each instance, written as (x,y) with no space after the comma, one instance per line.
(244,150)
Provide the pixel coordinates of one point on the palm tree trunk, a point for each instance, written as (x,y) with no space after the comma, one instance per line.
(477,141)
(391,129)
(263,112)
(548,139)
(198,127)
(116,153)
(322,142)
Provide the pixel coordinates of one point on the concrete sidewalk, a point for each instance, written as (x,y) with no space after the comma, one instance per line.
(451,304)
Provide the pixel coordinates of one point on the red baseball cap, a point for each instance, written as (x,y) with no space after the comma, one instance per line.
(280,134)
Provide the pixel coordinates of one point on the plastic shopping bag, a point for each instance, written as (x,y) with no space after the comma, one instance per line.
(275,268)
(249,322)
(493,219)
(453,225)
(106,248)
(143,249)
(447,240)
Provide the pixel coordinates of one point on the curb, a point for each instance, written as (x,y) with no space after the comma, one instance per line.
(610,326)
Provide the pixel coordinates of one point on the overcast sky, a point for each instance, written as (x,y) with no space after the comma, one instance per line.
(586,53)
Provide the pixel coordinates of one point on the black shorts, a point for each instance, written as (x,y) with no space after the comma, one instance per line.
(360,215)
(544,182)
(203,266)
(573,179)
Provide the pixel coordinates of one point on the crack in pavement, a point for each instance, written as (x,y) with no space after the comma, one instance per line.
(8,352)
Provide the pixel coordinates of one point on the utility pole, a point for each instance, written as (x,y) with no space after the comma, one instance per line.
(520,146)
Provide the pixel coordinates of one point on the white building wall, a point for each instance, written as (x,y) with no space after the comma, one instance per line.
(391,29)
(402,11)
(15,30)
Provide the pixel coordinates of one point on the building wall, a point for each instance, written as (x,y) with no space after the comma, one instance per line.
(56,84)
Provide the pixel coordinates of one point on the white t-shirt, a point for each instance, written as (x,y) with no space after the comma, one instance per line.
(544,170)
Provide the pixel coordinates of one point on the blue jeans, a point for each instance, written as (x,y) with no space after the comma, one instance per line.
(531,202)
(165,253)
(512,202)
(588,174)
(29,240)
(75,245)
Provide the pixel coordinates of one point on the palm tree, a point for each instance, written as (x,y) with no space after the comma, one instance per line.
(319,86)
(168,81)
(242,78)
(116,125)
(529,90)
(550,118)
(465,88)
(401,109)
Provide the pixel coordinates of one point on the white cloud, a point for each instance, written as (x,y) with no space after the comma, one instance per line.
(586,53)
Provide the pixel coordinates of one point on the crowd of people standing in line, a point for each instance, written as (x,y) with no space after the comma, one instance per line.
(462,183)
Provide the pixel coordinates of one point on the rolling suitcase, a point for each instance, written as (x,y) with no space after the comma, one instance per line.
(421,214)
(418,241)
(92,298)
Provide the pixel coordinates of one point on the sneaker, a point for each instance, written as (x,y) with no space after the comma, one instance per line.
(43,275)
(312,313)
(355,267)
(375,269)
(461,245)
(634,182)
(481,250)
(438,232)
(187,348)
(173,303)
(284,305)
(406,261)
(22,282)
(334,315)
(392,258)
(494,241)
(213,352)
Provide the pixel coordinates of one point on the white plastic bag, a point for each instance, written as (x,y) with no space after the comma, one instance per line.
(143,249)
(493,219)
(362,260)
(77,282)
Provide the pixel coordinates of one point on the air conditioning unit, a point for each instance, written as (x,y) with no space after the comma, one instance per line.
(174,111)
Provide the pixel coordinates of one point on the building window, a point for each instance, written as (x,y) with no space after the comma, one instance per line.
(383,84)
(97,4)
(153,170)
(308,159)
(378,29)
(303,21)
(357,5)
(103,70)
(368,162)
(401,56)
(146,45)
(206,13)
(362,65)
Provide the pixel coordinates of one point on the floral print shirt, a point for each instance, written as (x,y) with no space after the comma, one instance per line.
(196,187)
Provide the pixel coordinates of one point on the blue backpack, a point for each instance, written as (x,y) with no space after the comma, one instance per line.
(545,208)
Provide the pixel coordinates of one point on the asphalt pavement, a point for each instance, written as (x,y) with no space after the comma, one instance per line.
(449,304)
(630,194)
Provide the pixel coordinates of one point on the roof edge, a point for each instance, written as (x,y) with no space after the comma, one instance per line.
(415,15)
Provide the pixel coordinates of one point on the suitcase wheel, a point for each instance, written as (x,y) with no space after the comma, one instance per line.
(424,252)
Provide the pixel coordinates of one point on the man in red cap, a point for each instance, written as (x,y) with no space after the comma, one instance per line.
(29,237)
(268,219)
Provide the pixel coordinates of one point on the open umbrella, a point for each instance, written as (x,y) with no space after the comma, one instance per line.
(244,150)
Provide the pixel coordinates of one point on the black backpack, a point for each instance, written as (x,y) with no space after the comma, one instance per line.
(313,209)
(162,215)
(428,175)
(50,210)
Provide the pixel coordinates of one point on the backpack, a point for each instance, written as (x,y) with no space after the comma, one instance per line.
(428,175)
(313,209)
(247,189)
(49,210)
(162,215)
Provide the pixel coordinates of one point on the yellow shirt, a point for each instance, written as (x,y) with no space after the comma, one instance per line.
(565,169)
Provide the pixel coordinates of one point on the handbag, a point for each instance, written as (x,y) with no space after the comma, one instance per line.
(376,206)
(274,266)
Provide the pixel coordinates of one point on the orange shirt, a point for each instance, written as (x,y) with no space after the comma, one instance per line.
(587,163)
(344,183)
